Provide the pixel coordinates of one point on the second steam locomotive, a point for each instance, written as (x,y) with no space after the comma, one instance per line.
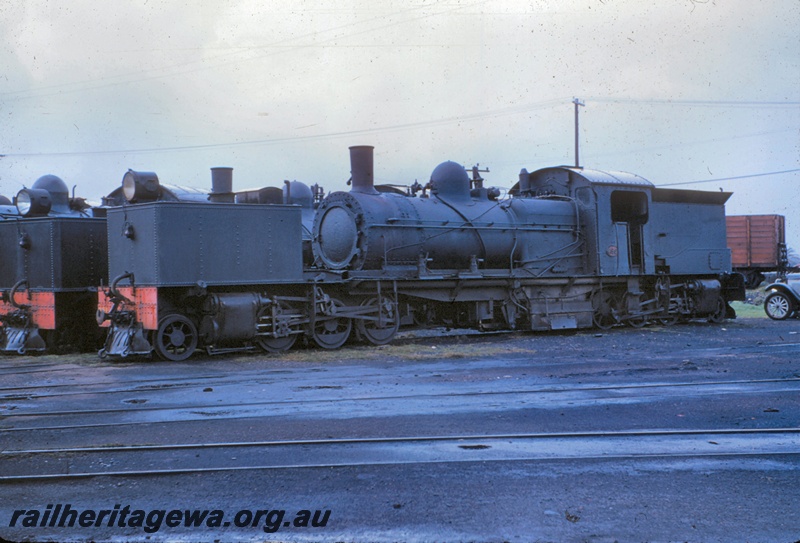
(569,248)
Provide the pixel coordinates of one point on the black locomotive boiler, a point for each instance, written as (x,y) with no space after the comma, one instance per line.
(569,248)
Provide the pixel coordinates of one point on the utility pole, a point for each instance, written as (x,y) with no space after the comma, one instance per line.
(577,103)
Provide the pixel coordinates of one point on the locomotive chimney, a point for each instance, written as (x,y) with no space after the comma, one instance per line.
(221,185)
(361,169)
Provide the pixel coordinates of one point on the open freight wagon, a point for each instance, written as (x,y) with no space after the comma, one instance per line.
(758,245)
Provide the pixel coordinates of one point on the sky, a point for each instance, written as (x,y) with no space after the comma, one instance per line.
(696,94)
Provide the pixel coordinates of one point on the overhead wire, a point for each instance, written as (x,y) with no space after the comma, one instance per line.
(749,176)
(758,104)
(138,77)
(511,110)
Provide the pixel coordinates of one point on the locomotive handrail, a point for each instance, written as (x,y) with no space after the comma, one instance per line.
(13,292)
(437,225)
(468,222)
(556,259)
(112,289)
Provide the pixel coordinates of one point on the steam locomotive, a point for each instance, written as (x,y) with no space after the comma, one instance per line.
(52,255)
(568,248)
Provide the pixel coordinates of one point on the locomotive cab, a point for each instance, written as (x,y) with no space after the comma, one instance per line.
(614,211)
(656,251)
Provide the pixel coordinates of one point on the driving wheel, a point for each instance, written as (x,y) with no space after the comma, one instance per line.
(381,326)
(330,331)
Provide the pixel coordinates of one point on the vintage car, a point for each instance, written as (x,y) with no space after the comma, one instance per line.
(783,298)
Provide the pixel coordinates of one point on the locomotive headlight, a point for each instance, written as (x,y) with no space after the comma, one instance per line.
(129,187)
(33,202)
(140,186)
(23,202)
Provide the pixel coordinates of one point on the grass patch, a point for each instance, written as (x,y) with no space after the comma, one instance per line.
(749,311)
(400,351)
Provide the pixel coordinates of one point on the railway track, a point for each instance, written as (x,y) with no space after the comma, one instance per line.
(120,383)
(185,458)
(544,397)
